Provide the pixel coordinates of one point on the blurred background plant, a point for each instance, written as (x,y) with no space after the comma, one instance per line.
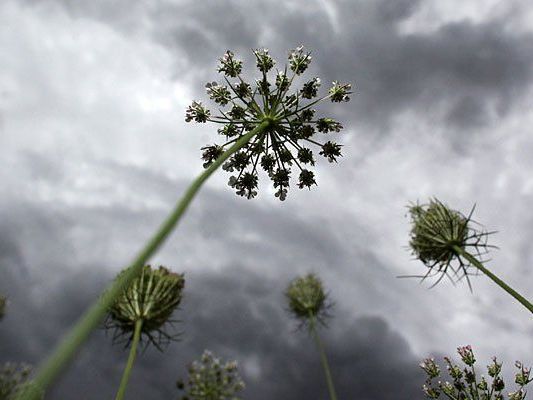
(309,304)
(143,311)
(209,379)
(465,382)
(449,244)
(12,378)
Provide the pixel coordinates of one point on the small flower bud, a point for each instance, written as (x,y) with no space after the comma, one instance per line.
(229,65)
(197,112)
(339,92)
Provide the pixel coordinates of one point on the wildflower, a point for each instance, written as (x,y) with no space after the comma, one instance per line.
(150,299)
(288,128)
(465,384)
(209,379)
(467,355)
(429,366)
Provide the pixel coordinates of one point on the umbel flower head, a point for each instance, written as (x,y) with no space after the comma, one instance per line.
(440,237)
(151,298)
(288,140)
(307,299)
(209,379)
(465,383)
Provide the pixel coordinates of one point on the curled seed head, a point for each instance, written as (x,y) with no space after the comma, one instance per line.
(438,232)
(151,298)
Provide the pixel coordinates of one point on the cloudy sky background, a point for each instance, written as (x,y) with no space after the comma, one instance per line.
(95,152)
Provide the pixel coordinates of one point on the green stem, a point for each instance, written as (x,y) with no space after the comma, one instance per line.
(68,347)
(131,360)
(323,358)
(497,280)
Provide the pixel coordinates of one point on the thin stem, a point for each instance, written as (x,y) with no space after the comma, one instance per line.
(323,358)
(131,360)
(497,280)
(66,350)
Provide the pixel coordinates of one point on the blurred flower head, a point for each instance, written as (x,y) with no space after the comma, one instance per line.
(152,298)
(307,299)
(292,126)
(209,379)
(436,232)
(13,379)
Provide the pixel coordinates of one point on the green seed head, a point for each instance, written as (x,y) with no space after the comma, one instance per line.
(437,231)
(307,299)
(151,298)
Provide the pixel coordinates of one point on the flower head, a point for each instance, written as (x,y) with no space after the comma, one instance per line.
(151,298)
(439,235)
(307,299)
(209,379)
(286,142)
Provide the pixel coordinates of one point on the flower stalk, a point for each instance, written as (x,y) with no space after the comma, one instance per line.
(131,360)
(323,357)
(474,261)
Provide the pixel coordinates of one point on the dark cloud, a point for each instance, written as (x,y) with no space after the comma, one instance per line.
(464,74)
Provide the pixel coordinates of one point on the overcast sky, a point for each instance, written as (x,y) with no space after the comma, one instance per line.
(95,152)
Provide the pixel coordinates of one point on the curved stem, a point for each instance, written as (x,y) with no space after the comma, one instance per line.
(131,360)
(66,350)
(497,280)
(323,358)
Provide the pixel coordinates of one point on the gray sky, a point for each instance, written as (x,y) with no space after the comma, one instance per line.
(95,151)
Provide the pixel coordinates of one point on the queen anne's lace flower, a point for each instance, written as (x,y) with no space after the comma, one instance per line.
(286,143)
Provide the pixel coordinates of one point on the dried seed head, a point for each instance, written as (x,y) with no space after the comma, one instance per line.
(307,299)
(291,123)
(151,298)
(210,379)
(437,231)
